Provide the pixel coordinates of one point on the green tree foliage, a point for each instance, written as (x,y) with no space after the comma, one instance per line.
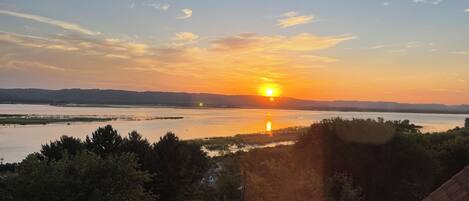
(228,179)
(451,149)
(104,141)
(404,126)
(223,181)
(380,160)
(108,167)
(377,160)
(135,144)
(85,176)
(340,187)
(65,145)
(396,168)
(178,168)
(275,174)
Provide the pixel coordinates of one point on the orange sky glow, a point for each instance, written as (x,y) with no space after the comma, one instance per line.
(307,51)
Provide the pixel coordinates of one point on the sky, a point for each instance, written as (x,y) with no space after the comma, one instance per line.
(414,51)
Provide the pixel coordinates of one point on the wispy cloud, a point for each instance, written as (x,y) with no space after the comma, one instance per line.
(462,52)
(20,64)
(399,47)
(292,19)
(466,11)
(73,43)
(434,2)
(158,6)
(245,56)
(58,23)
(378,47)
(386,3)
(412,44)
(10,61)
(300,42)
(185,36)
(187,13)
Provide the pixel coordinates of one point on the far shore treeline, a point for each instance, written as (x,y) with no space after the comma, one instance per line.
(333,160)
(83,97)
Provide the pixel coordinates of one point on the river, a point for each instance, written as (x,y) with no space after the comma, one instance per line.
(16,141)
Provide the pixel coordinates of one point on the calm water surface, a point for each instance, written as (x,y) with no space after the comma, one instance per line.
(18,141)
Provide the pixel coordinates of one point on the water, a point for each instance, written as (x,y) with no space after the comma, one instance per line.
(18,141)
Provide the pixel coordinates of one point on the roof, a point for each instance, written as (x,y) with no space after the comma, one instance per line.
(455,189)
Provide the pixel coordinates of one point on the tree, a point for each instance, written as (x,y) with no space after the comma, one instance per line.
(65,145)
(453,155)
(340,187)
(388,164)
(405,126)
(228,180)
(135,144)
(178,168)
(466,123)
(104,141)
(85,176)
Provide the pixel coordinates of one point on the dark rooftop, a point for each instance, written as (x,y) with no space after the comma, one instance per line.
(455,189)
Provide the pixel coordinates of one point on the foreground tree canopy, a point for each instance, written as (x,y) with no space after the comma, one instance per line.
(335,160)
(108,167)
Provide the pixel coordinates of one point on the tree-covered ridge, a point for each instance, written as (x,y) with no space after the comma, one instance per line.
(104,97)
(334,160)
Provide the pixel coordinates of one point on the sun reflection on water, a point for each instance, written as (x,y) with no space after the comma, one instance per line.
(268,124)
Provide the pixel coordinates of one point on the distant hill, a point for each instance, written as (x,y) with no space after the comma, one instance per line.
(148,98)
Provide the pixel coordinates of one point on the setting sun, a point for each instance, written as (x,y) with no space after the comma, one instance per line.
(269,90)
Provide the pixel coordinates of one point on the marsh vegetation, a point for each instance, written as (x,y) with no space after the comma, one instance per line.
(32,119)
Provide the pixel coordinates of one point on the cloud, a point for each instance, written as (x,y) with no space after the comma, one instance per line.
(10,61)
(412,44)
(74,43)
(163,7)
(185,36)
(187,14)
(249,42)
(462,52)
(229,60)
(19,64)
(466,11)
(386,3)
(434,2)
(58,23)
(290,14)
(292,19)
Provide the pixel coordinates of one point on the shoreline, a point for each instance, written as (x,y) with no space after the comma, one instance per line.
(34,119)
(324,109)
